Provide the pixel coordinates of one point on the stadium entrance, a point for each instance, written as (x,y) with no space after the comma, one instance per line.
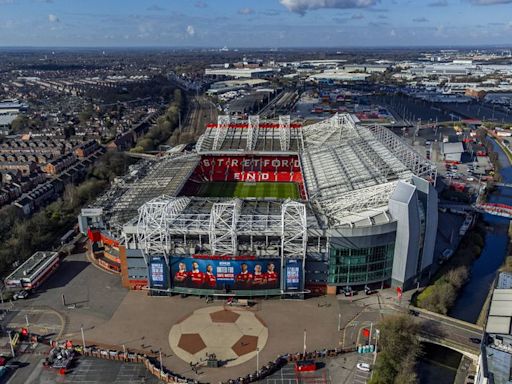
(225,276)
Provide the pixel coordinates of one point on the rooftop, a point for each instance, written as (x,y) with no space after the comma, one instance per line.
(350,172)
(33,265)
(149,180)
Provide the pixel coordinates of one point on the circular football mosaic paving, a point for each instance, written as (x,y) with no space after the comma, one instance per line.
(232,335)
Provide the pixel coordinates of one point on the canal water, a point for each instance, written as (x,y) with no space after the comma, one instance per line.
(439,365)
(483,271)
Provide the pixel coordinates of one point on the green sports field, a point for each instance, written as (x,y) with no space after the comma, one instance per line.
(244,189)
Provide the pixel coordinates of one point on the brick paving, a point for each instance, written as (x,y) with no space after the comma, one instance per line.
(144,322)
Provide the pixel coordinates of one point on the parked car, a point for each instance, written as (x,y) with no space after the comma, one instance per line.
(20,295)
(305,366)
(348,291)
(412,312)
(447,253)
(365,367)
(475,340)
(369,291)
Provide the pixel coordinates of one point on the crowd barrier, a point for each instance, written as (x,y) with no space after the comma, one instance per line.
(152,364)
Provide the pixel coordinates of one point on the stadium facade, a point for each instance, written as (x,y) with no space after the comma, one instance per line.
(363,212)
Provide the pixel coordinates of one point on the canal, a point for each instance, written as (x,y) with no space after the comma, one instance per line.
(438,365)
(473,295)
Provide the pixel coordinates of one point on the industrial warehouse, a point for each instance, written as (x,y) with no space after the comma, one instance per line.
(271,208)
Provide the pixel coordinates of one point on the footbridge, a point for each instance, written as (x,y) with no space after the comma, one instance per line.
(496,209)
(506,185)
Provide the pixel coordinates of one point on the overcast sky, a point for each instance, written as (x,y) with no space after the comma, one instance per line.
(254,23)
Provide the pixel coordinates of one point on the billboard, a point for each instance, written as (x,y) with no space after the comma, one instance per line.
(293,273)
(158,272)
(220,274)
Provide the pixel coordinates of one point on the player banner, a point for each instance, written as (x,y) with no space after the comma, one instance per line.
(225,274)
(158,272)
(293,274)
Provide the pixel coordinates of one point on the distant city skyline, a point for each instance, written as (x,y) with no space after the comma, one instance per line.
(254,23)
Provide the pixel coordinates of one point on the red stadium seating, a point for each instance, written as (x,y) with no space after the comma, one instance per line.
(249,168)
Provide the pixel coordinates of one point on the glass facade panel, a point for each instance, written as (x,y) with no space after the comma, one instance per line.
(360,266)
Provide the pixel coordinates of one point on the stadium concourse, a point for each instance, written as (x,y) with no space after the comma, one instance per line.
(271,209)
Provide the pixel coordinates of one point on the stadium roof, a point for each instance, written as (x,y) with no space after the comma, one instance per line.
(144,182)
(227,137)
(349,171)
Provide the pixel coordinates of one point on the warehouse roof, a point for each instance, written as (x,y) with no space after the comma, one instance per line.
(448,148)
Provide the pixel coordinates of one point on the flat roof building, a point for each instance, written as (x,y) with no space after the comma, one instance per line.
(495,362)
(240,72)
(452,151)
(33,271)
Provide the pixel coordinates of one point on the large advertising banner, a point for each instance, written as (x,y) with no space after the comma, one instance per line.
(293,274)
(158,272)
(220,274)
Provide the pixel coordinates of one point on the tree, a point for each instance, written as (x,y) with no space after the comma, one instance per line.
(69,131)
(70,195)
(86,114)
(398,343)
(9,215)
(458,276)
(19,124)
(481,133)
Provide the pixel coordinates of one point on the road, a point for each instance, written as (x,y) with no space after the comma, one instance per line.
(90,298)
(452,332)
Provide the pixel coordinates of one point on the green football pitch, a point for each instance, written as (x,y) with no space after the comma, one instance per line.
(248,189)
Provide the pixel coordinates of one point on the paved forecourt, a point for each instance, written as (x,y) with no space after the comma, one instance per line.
(233,335)
(151,324)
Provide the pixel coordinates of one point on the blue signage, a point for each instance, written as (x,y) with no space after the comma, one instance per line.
(220,274)
(158,272)
(293,274)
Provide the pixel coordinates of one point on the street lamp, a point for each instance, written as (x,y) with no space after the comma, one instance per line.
(377,334)
(83,337)
(10,344)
